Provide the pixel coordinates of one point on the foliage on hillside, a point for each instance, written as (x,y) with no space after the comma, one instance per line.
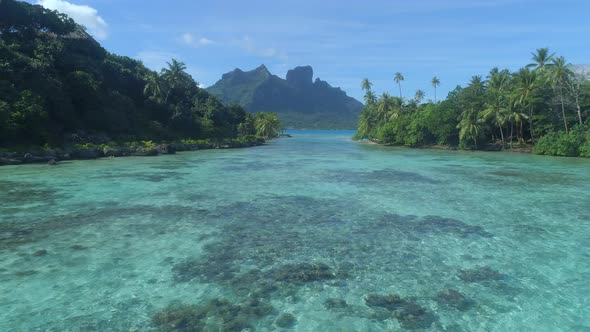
(545,104)
(59,86)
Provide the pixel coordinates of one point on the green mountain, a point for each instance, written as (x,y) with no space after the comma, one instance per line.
(59,86)
(299,101)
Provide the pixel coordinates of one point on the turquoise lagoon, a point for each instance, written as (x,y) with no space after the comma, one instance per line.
(315,226)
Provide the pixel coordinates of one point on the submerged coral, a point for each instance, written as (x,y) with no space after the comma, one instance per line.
(332,304)
(454,299)
(302,273)
(480,274)
(407,312)
(436,225)
(216,315)
(413,316)
(286,321)
(40,253)
(390,302)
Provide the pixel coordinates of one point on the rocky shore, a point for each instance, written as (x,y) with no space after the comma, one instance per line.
(486,148)
(76,153)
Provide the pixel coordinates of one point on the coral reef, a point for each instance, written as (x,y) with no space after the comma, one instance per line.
(454,299)
(480,274)
(286,321)
(215,315)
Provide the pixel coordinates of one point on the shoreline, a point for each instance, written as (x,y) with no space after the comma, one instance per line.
(53,156)
(523,150)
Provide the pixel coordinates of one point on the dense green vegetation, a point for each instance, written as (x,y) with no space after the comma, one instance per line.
(545,104)
(299,101)
(58,86)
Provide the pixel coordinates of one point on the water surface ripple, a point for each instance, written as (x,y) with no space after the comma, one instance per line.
(311,233)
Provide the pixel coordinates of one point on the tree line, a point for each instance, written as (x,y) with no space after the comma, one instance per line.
(56,82)
(543,105)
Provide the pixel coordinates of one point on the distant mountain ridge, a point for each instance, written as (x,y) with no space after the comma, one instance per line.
(299,101)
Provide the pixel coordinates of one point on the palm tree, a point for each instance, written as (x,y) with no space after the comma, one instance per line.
(541,58)
(497,115)
(526,86)
(469,127)
(174,75)
(398,80)
(153,86)
(496,106)
(385,106)
(396,108)
(515,117)
(366,85)
(370,98)
(476,84)
(559,76)
(267,124)
(419,96)
(365,124)
(435,83)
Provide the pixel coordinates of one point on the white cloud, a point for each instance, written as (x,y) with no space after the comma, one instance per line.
(189,39)
(249,46)
(82,14)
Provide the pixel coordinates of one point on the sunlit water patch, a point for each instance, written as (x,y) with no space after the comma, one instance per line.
(310,233)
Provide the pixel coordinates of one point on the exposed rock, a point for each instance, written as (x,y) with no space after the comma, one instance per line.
(145,152)
(166,148)
(300,76)
(9,161)
(64,156)
(117,151)
(49,153)
(52,162)
(89,153)
(179,147)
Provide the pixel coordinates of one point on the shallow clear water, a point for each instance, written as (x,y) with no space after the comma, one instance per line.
(316,226)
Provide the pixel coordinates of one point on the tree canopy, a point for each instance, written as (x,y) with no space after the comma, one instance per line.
(58,84)
(545,104)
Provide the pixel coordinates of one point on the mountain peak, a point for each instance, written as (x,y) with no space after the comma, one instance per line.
(300,76)
(262,68)
(297,100)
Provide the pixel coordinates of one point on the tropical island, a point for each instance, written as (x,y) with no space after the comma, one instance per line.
(63,96)
(300,101)
(315,233)
(541,107)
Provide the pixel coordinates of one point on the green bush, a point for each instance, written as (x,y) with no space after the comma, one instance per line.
(585,148)
(572,144)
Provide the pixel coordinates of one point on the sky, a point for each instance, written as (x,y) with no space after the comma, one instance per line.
(343,41)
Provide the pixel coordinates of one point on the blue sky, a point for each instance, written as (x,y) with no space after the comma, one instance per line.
(343,41)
